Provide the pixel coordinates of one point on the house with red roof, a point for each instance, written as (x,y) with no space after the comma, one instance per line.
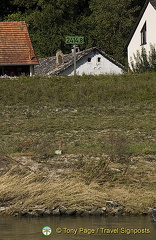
(16,51)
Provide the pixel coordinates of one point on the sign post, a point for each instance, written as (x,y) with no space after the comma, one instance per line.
(74,60)
(74,40)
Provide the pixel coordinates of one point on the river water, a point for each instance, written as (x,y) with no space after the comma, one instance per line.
(78,228)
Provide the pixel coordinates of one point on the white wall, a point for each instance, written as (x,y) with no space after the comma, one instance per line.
(135,44)
(31,70)
(94,67)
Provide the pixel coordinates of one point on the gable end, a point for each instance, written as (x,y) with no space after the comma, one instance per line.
(153,3)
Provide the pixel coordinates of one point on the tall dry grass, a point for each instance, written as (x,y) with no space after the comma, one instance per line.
(30,192)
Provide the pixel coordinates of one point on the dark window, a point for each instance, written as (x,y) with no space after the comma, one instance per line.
(143,35)
(99,59)
(89,59)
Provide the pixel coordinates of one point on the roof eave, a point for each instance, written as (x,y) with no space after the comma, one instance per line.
(136,24)
(20,64)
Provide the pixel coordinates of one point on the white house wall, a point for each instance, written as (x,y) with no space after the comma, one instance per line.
(135,44)
(94,67)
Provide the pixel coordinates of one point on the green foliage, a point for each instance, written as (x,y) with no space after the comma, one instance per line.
(144,62)
(18,16)
(113,21)
(105,24)
(49,22)
(5,8)
(25,3)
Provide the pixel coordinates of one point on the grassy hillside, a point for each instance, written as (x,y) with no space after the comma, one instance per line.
(86,91)
(107,127)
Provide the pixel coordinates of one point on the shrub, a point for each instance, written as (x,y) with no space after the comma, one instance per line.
(118,148)
(144,62)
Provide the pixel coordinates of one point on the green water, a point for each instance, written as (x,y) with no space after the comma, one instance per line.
(80,228)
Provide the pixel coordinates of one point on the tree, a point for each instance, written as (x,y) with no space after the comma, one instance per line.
(50,21)
(112,20)
(26,4)
(5,8)
(104,23)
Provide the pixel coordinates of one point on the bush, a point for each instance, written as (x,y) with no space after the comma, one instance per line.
(144,62)
(117,147)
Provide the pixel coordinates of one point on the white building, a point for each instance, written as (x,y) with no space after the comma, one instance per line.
(143,35)
(90,62)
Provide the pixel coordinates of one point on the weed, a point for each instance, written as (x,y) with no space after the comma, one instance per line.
(118,148)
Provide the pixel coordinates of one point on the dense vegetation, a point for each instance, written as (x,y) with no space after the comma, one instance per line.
(107,126)
(104,23)
(144,62)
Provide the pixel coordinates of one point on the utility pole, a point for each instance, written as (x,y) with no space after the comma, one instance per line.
(74,60)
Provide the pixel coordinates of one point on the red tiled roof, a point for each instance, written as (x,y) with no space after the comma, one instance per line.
(15,44)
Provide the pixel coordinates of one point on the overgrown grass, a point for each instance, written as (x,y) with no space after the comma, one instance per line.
(107,126)
(33,191)
(80,91)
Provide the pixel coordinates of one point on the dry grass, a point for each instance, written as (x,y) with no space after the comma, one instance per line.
(35,193)
(52,188)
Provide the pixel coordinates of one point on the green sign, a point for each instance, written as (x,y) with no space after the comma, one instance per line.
(74,40)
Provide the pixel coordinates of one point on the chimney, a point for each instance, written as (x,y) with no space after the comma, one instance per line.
(77,50)
(59,58)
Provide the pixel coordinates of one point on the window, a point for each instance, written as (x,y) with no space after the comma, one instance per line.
(143,35)
(89,59)
(99,59)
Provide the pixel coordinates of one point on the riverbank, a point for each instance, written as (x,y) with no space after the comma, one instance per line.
(104,129)
(111,209)
(32,188)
